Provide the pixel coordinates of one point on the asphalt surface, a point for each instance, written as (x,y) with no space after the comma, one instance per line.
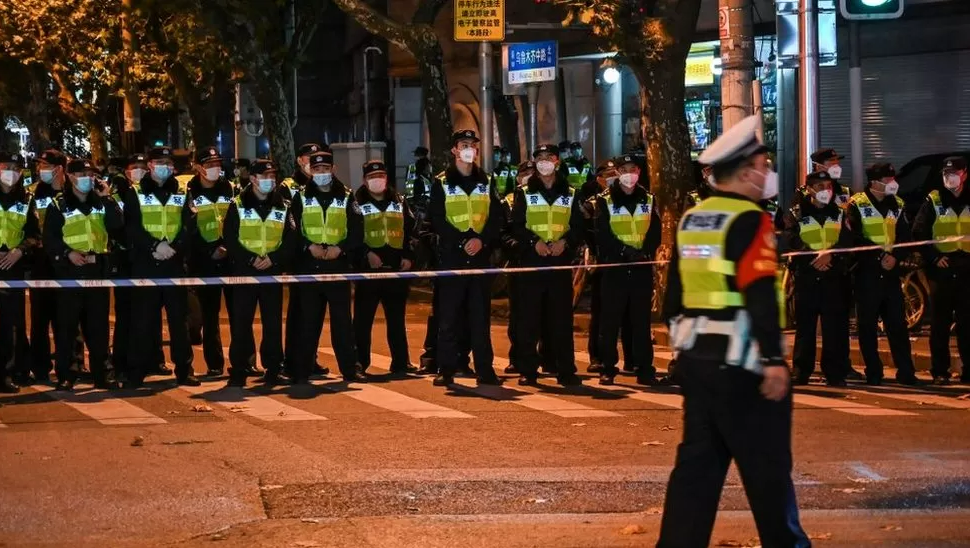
(398,462)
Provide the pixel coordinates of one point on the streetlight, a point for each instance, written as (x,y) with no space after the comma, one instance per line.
(367,50)
(611,75)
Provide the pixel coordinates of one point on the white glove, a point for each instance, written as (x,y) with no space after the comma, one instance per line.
(164,251)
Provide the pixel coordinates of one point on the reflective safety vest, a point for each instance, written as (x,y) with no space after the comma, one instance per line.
(880,230)
(261,236)
(949,224)
(40,206)
(324,227)
(548,221)
(85,233)
(291,184)
(501,178)
(211,215)
(383,228)
(630,227)
(818,236)
(12,223)
(162,221)
(466,211)
(576,175)
(409,181)
(117,198)
(183,181)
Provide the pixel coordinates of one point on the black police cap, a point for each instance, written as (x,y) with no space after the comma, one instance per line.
(464,135)
(818,177)
(623,160)
(955,163)
(880,171)
(207,154)
(242,163)
(545,148)
(421,151)
(824,155)
(137,159)
(12,158)
(53,157)
(374,166)
(262,166)
(310,148)
(527,165)
(605,166)
(80,165)
(161,153)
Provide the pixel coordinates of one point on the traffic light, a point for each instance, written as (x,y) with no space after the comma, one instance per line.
(871,9)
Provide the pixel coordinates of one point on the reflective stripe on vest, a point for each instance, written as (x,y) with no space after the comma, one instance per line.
(818,237)
(324,227)
(261,236)
(880,230)
(85,233)
(210,216)
(12,223)
(949,224)
(548,221)
(40,206)
(162,221)
(701,240)
(121,203)
(383,228)
(467,211)
(630,228)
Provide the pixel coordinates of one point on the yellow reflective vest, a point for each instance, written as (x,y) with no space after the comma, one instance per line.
(40,206)
(819,236)
(548,221)
(162,221)
(630,227)
(880,230)
(258,235)
(12,223)
(85,233)
(948,224)
(211,215)
(324,226)
(466,211)
(383,228)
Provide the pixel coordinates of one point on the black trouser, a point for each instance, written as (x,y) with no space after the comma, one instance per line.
(595,310)
(393,296)
(465,305)
(821,295)
(12,324)
(147,303)
(725,418)
(242,347)
(291,343)
(43,314)
(315,298)
(879,295)
(627,295)
(210,303)
(91,308)
(431,334)
(545,310)
(950,300)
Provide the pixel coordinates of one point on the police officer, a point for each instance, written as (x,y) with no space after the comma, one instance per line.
(160,221)
(815,224)
(332,233)
(723,310)
(467,216)
(501,173)
(513,169)
(410,190)
(241,176)
(76,239)
(211,194)
(512,249)
(876,217)
(260,236)
(19,233)
(946,214)
(548,224)
(627,231)
(387,248)
(829,161)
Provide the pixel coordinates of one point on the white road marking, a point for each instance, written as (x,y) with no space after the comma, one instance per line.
(667,400)
(865,471)
(846,406)
(263,408)
(103,407)
(935,399)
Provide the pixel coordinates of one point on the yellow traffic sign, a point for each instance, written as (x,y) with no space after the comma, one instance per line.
(479,20)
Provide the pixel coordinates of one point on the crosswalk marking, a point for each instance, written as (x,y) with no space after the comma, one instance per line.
(103,407)
(667,400)
(397,402)
(919,398)
(263,408)
(850,407)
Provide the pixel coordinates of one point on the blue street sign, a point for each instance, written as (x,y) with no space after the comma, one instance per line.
(531,62)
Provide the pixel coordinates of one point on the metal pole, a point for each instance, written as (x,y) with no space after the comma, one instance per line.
(808,84)
(737,61)
(485,100)
(855,107)
(757,106)
(533,93)
(366,104)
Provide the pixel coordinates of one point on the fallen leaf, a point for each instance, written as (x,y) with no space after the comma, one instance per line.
(537,501)
(270,487)
(579,424)
(655,442)
(850,490)
(310,520)
(238,408)
(666,428)
(654,510)
(820,536)
(891,528)
(138,441)
(281,414)
(218,536)
(201,408)
(633,530)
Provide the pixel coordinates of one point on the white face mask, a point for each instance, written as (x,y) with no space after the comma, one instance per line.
(628,180)
(770,188)
(952,181)
(711,181)
(213,173)
(322,179)
(546,167)
(892,188)
(136,174)
(8,177)
(835,172)
(377,185)
(265,186)
(467,155)
(84,184)
(162,172)
(823,197)
(47,175)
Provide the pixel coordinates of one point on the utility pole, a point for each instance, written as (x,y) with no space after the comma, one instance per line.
(485,100)
(131,133)
(736,31)
(808,84)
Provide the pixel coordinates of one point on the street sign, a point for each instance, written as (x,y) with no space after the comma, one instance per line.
(479,20)
(532,62)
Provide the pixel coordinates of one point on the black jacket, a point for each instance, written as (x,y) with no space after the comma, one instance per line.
(923,230)
(305,263)
(527,239)
(451,241)
(241,258)
(389,256)
(58,250)
(609,248)
(144,244)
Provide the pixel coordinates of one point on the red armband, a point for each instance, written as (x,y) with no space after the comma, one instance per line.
(760,259)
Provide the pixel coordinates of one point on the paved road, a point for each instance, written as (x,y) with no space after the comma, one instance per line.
(398,462)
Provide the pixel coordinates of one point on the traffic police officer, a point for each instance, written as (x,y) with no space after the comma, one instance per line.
(160,221)
(876,217)
(332,233)
(815,224)
(467,216)
(387,248)
(548,224)
(211,194)
(260,236)
(76,239)
(946,214)
(627,231)
(722,306)
(19,233)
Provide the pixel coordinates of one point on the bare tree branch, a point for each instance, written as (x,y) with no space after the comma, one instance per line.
(428,11)
(375,22)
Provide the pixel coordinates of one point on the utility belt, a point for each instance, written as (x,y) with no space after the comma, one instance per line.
(726,341)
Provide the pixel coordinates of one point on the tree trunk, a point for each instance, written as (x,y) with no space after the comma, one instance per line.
(203,119)
(507,120)
(37,116)
(271,97)
(98,140)
(434,91)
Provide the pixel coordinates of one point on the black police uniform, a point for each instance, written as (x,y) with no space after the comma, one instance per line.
(147,301)
(43,302)
(291,345)
(89,306)
(878,292)
(391,294)
(545,297)
(268,296)
(818,293)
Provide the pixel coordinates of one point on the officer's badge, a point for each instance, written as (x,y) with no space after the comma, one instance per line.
(149,199)
(339,202)
(19,208)
(617,209)
(867,211)
(278,215)
(644,208)
(178,200)
(564,200)
(533,199)
(942,210)
(482,188)
(308,201)
(212,152)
